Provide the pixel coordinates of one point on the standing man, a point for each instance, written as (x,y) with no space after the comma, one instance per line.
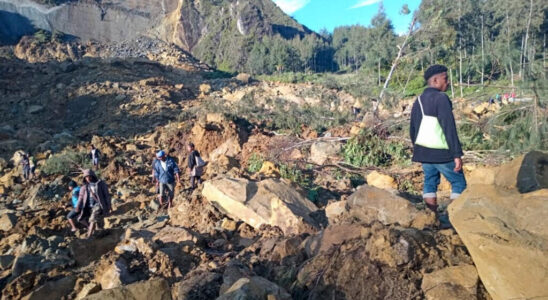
(166,176)
(94,156)
(434,135)
(25,164)
(32,166)
(195,165)
(93,194)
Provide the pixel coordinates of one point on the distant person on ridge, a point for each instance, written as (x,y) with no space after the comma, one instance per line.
(166,176)
(93,194)
(94,154)
(195,165)
(32,166)
(434,135)
(25,164)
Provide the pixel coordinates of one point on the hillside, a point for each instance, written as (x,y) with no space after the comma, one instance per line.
(217,32)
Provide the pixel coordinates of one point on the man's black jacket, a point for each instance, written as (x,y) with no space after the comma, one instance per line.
(192,159)
(437,104)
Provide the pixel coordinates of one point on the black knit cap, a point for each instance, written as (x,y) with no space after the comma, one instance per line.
(433,70)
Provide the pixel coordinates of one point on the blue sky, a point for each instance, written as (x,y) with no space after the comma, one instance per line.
(318,14)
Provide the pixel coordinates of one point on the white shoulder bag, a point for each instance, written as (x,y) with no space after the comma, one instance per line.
(430,132)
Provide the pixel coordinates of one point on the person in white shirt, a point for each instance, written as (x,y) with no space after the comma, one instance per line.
(94,154)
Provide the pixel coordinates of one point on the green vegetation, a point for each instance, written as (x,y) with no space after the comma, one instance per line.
(472,137)
(43,36)
(490,42)
(254,163)
(304,179)
(281,115)
(368,149)
(230,40)
(406,186)
(66,162)
(359,84)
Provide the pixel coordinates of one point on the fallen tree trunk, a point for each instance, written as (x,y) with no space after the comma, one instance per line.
(395,63)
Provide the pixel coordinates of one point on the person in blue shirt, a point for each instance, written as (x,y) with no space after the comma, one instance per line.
(73,214)
(166,176)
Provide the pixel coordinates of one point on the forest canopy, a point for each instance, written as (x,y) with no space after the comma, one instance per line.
(479,40)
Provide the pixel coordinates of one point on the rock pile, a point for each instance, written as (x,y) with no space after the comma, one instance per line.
(257,228)
(505,230)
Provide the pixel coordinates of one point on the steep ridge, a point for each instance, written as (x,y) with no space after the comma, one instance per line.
(208,29)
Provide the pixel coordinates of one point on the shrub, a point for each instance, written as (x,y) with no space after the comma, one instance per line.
(57,36)
(41,36)
(66,162)
(301,178)
(254,163)
(368,149)
(472,137)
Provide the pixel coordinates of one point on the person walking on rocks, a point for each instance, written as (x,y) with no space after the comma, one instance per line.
(195,165)
(94,195)
(73,214)
(94,154)
(166,176)
(25,164)
(435,140)
(32,166)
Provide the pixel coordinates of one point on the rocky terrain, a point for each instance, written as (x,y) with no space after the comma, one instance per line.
(255,229)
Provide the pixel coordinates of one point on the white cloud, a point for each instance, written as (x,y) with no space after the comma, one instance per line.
(291,6)
(365,3)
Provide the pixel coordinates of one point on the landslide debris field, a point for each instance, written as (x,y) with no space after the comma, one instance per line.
(284,213)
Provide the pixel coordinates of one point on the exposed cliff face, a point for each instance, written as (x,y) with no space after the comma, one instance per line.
(210,29)
(90,20)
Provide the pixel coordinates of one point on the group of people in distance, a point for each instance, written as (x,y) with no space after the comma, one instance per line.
(91,201)
(504,99)
(28,165)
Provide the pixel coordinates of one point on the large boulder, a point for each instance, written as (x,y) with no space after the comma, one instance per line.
(43,193)
(369,204)
(527,173)
(506,234)
(198,285)
(157,289)
(114,275)
(321,151)
(86,251)
(136,241)
(381,181)
(38,263)
(270,201)
(7,221)
(176,235)
(88,289)
(458,282)
(254,287)
(333,236)
(56,289)
(229,148)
